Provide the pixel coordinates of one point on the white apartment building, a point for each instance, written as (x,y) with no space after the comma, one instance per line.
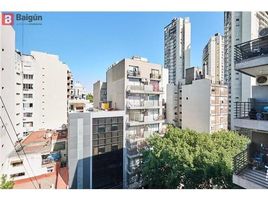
(251,115)
(44,92)
(177,36)
(177,48)
(213,59)
(136,86)
(204,106)
(70,86)
(10,92)
(79,91)
(239,27)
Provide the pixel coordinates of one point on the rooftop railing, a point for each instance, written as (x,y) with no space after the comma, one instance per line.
(251,49)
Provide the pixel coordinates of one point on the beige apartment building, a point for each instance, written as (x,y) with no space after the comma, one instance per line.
(202,105)
(136,86)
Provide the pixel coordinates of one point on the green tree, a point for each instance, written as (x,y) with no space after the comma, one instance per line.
(190,159)
(6,184)
(89,97)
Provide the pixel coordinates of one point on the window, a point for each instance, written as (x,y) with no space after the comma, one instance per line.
(28,76)
(28,96)
(114,127)
(27,105)
(17,175)
(59,146)
(27,86)
(27,114)
(16,163)
(101,129)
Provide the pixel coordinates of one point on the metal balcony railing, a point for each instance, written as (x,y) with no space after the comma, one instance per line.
(251,110)
(251,49)
(133,73)
(241,161)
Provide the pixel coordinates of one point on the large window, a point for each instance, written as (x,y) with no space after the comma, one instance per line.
(27,86)
(28,76)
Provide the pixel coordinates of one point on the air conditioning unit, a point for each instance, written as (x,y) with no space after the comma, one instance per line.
(262,80)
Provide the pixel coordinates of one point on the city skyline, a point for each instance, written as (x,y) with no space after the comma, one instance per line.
(107,42)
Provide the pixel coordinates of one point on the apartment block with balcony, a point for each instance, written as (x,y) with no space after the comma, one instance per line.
(251,116)
(239,27)
(70,85)
(136,86)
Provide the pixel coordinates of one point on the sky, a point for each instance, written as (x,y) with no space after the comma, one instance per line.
(90,42)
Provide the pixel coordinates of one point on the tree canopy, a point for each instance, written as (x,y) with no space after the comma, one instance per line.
(89,97)
(4,184)
(185,158)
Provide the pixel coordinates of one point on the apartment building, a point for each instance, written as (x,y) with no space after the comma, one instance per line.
(136,86)
(251,115)
(96,155)
(79,91)
(70,85)
(177,48)
(78,103)
(213,59)
(11,94)
(239,27)
(99,94)
(206,104)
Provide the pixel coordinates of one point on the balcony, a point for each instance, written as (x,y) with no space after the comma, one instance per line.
(144,89)
(250,167)
(133,74)
(251,115)
(143,105)
(144,120)
(156,77)
(251,57)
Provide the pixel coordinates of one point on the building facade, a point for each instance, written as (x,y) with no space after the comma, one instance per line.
(11,95)
(204,103)
(213,59)
(96,146)
(136,86)
(239,27)
(99,94)
(44,92)
(177,52)
(251,115)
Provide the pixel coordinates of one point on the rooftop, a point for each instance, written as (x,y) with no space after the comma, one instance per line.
(39,141)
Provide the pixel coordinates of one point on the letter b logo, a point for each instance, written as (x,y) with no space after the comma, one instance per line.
(7,19)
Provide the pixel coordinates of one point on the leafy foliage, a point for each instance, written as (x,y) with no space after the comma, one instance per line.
(4,184)
(190,159)
(89,97)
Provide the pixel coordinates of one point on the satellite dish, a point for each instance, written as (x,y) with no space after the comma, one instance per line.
(263,32)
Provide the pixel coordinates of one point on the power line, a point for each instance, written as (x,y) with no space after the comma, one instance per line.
(18,139)
(16,150)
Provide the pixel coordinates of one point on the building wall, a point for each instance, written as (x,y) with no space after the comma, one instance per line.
(11,93)
(196,107)
(204,106)
(50,91)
